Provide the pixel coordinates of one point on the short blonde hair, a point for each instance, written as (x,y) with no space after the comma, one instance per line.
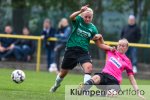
(87,10)
(90,10)
(125,40)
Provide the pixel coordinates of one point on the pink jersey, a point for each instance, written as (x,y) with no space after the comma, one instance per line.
(116,63)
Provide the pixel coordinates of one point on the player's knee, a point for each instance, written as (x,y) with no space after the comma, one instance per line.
(88,69)
(63,73)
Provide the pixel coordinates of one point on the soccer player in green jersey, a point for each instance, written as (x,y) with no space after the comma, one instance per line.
(77,47)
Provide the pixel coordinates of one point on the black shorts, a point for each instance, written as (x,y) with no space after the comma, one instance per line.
(73,56)
(108,82)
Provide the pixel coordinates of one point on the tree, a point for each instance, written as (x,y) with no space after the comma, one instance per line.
(18,15)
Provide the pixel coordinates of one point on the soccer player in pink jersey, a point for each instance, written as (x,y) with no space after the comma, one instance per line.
(116,63)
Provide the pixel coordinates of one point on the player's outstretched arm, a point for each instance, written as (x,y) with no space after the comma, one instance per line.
(135,86)
(100,44)
(98,36)
(73,15)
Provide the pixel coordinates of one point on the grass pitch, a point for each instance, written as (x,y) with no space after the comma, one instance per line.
(37,84)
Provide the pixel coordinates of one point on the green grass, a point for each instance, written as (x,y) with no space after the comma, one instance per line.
(37,84)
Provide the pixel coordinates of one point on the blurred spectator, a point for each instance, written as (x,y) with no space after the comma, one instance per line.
(63,33)
(24,48)
(133,34)
(48,31)
(7,44)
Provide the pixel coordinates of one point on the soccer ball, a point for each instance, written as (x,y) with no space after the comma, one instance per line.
(18,76)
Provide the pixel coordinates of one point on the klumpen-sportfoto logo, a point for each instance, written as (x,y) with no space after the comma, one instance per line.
(73,92)
(106,92)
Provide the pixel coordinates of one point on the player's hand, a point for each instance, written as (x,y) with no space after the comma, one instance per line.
(11,47)
(96,37)
(2,49)
(112,48)
(141,97)
(84,8)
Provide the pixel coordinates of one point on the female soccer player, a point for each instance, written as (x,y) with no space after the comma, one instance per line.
(116,63)
(77,47)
